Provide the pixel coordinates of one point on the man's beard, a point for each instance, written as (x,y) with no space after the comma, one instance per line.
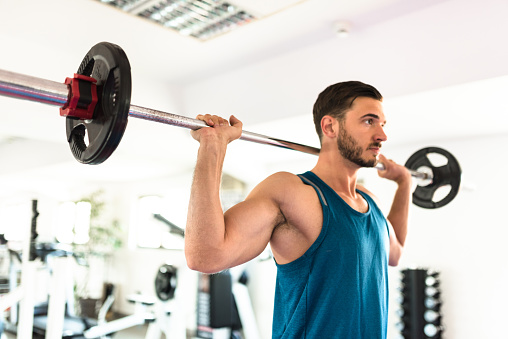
(350,150)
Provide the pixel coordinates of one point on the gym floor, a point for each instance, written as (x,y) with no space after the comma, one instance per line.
(137,332)
(132,333)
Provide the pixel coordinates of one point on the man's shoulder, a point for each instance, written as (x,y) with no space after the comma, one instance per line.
(285,179)
(283,176)
(280,186)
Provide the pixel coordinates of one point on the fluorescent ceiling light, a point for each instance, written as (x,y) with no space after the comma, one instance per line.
(201,19)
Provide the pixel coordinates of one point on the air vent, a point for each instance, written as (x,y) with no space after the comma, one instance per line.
(201,19)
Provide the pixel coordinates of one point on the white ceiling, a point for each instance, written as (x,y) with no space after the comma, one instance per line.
(441,64)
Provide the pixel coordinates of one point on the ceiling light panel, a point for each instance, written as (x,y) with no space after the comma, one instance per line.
(201,19)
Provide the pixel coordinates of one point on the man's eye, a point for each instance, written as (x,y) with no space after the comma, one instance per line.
(369,121)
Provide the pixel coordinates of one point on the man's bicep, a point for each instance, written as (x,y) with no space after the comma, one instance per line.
(249,226)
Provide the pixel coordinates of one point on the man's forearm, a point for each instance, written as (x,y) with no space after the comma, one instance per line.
(399,212)
(205,229)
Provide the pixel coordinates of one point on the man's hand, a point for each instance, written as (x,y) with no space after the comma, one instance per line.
(394,171)
(223,129)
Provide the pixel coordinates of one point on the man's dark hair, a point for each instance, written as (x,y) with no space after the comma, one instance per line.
(337,99)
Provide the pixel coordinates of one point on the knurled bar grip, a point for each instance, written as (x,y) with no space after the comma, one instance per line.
(54,93)
(194,124)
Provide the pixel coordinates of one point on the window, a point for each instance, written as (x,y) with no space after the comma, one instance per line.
(73,222)
(15,221)
(148,231)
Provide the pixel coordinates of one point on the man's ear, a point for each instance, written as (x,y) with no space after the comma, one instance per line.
(330,126)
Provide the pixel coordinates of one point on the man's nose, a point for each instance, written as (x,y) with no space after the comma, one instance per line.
(381,135)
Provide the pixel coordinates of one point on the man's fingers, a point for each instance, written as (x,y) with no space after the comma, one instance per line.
(235,122)
(207,118)
(384,161)
(212,120)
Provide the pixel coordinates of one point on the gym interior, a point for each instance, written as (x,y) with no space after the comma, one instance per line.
(102,245)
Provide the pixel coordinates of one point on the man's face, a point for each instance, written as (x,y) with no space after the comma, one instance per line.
(361,132)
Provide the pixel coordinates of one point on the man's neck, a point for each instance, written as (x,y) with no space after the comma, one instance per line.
(338,173)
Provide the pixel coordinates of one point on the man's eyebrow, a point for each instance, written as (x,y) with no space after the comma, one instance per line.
(372,115)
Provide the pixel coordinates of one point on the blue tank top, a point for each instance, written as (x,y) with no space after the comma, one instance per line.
(339,287)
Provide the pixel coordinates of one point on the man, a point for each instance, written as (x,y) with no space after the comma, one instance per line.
(330,241)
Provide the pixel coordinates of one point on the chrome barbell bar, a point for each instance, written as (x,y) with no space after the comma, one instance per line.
(49,92)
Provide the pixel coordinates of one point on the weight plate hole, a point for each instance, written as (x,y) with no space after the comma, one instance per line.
(437,160)
(86,138)
(441,193)
(86,67)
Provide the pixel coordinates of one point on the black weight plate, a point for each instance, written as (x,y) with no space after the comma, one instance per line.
(108,64)
(165,282)
(448,174)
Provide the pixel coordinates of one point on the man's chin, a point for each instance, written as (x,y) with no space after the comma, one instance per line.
(371,162)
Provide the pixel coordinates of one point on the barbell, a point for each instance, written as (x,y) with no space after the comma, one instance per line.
(96,104)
